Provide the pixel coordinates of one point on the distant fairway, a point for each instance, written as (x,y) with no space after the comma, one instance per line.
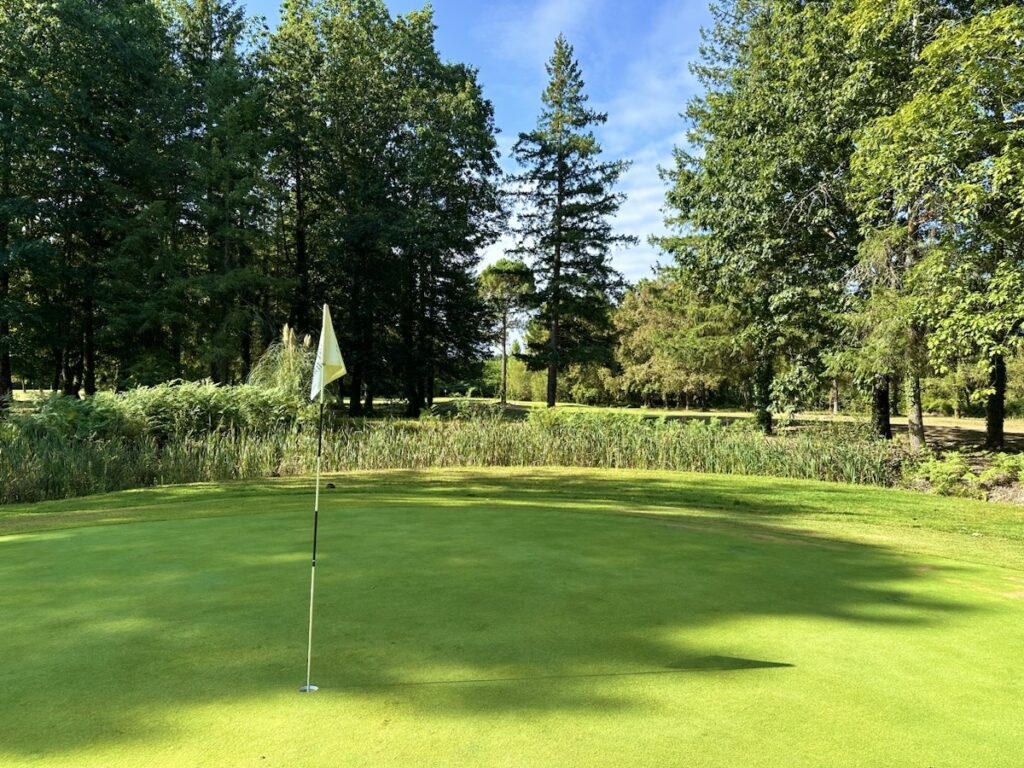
(514,618)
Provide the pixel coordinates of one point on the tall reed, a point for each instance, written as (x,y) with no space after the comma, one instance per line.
(36,466)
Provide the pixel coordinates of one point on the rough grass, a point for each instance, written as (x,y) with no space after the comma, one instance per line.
(514,618)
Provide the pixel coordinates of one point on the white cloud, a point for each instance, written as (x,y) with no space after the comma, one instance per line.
(497,250)
(641,214)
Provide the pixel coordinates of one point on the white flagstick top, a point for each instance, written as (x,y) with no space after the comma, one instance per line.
(329,363)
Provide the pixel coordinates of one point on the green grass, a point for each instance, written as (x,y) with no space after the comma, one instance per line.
(514,617)
(1011,425)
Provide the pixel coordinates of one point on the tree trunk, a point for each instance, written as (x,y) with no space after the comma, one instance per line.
(246,350)
(995,405)
(67,367)
(894,395)
(413,394)
(880,409)
(88,351)
(762,394)
(835,397)
(413,399)
(58,368)
(368,402)
(552,394)
(67,376)
(555,298)
(915,414)
(300,299)
(409,362)
(504,358)
(355,381)
(6,374)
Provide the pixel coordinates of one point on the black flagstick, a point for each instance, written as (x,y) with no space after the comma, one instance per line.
(309,687)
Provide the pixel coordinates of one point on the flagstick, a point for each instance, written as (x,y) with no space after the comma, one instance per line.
(309,687)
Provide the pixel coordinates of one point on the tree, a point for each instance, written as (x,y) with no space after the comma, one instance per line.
(19,123)
(568,198)
(291,66)
(506,285)
(896,223)
(387,158)
(759,201)
(107,164)
(672,344)
(224,150)
(948,159)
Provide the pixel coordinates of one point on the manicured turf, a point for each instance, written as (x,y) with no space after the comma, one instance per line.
(514,618)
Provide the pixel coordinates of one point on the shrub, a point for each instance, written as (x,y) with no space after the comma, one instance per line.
(1006,468)
(958,474)
(201,408)
(101,417)
(949,475)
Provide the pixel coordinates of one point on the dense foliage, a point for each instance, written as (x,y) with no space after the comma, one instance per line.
(176,183)
(852,194)
(847,215)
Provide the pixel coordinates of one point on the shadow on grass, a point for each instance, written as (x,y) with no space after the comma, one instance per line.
(482,593)
(697,664)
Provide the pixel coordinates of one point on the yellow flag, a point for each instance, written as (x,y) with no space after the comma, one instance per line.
(329,363)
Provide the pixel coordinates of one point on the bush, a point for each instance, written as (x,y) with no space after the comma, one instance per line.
(958,474)
(101,417)
(949,475)
(202,408)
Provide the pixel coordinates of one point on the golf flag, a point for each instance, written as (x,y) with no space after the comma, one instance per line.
(328,367)
(329,363)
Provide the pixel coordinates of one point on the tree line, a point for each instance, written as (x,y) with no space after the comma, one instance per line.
(847,220)
(850,205)
(177,182)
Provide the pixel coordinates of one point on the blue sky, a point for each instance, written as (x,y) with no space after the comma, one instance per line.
(634,57)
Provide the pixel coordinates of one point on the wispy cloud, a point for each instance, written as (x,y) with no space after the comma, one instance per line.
(644,125)
(525,33)
(635,59)
(641,215)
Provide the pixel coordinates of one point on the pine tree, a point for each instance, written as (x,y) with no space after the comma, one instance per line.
(292,67)
(568,198)
(18,124)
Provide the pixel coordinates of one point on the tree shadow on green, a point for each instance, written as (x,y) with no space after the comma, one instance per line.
(483,595)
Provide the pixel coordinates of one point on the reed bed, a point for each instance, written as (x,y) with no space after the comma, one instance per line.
(36,466)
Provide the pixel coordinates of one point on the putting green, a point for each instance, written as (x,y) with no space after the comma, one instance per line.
(514,618)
